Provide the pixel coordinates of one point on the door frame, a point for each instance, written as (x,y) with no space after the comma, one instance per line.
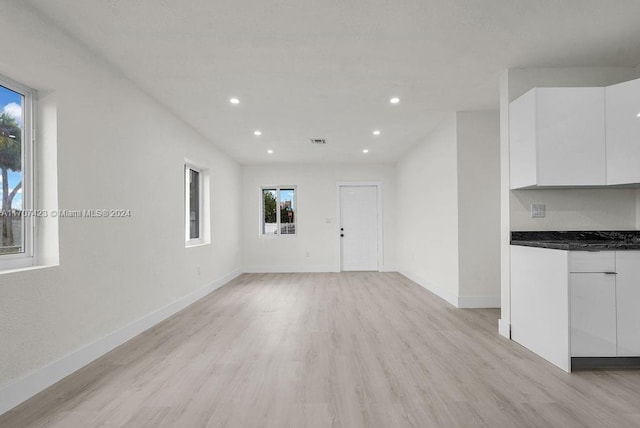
(378,186)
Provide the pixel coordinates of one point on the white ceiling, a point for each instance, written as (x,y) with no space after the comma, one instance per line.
(327,68)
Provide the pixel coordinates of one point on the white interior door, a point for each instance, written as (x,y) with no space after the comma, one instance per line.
(359,227)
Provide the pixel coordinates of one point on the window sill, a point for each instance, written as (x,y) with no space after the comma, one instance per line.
(196,244)
(25,269)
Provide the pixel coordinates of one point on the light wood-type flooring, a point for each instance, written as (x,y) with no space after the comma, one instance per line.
(329,350)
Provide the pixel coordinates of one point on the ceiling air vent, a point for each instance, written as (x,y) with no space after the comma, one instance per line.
(318,141)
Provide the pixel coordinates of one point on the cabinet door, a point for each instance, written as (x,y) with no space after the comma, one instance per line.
(593,314)
(623,132)
(570,136)
(540,302)
(522,141)
(628,302)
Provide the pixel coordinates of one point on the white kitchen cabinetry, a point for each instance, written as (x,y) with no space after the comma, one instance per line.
(592,261)
(593,314)
(557,138)
(623,132)
(575,303)
(540,302)
(628,302)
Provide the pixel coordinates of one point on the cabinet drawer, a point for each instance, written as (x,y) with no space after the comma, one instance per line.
(589,261)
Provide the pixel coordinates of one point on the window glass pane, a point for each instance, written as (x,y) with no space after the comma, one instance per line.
(194,204)
(11,159)
(287,212)
(269,215)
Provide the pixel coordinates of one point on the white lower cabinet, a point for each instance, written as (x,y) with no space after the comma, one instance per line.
(593,314)
(628,302)
(604,303)
(575,304)
(540,302)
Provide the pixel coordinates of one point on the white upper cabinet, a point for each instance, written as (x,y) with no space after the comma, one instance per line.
(623,132)
(557,138)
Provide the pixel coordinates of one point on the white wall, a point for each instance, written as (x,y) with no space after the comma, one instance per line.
(428,212)
(569,208)
(316,247)
(479,208)
(116,148)
(449,211)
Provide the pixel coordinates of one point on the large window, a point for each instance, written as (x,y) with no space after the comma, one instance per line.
(16,217)
(279,210)
(193,205)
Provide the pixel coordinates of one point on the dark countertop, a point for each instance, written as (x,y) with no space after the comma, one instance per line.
(601,240)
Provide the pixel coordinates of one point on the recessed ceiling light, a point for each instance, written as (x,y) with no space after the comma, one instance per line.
(257,132)
(365,151)
(270,151)
(638,115)
(394,100)
(234,100)
(376,132)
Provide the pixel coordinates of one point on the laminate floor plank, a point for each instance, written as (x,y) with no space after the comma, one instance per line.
(357,349)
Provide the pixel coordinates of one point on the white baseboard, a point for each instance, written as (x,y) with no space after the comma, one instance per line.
(467,302)
(26,387)
(477,302)
(289,269)
(300,269)
(504,328)
(435,289)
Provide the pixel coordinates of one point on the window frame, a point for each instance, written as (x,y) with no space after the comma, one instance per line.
(261,222)
(25,258)
(190,242)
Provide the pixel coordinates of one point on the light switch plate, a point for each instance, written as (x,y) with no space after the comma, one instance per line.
(537,210)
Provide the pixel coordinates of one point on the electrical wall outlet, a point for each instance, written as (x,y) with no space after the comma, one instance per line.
(537,210)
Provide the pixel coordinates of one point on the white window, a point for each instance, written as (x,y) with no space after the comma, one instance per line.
(279,210)
(194,204)
(16,175)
